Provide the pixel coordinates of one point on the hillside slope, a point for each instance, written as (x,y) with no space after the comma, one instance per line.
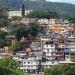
(60,8)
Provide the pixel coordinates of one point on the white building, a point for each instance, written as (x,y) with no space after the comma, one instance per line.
(48,64)
(63,22)
(36,46)
(17,13)
(43,21)
(28,62)
(49,49)
(54,21)
(49,53)
(29,65)
(71,43)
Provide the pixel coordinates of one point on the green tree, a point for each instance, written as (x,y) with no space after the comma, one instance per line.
(25,30)
(15,46)
(2,38)
(71,18)
(4,21)
(9,66)
(34,29)
(23,10)
(20,31)
(2,43)
(16,18)
(3,10)
(64,69)
(42,14)
(2,34)
(9,63)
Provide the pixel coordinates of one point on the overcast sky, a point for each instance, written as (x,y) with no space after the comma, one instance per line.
(68,1)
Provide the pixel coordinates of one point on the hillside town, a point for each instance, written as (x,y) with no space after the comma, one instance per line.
(36,42)
(54,44)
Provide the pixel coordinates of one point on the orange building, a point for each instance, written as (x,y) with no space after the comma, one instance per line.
(57,28)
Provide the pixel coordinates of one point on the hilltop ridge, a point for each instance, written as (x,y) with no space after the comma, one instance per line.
(60,8)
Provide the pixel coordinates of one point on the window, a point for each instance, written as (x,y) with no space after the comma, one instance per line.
(51,53)
(28,62)
(31,62)
(46,66)
(61,53)
(31,66)
(52,49)
(67,53)
(52,62)
(24,70)
(67,57)
(47,45)
(28,66)
(52,45)
(48,53)
(48,50)
(25,66)
(24,62)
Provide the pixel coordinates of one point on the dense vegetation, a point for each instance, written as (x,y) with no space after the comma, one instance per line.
(4,21)
(9,66)
(71,18)
(42,14)
(25,30)
(2,38)
(60,8)
(64,69)
(23,10)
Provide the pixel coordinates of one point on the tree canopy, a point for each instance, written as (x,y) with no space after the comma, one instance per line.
(25,30)
(15,46)
(2,38)
(71,18)
(9,66)
(3,10)
(42,14)
(63,69)
(23,10)
(4,21)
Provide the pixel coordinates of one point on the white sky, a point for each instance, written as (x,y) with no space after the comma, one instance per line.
(68,1)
